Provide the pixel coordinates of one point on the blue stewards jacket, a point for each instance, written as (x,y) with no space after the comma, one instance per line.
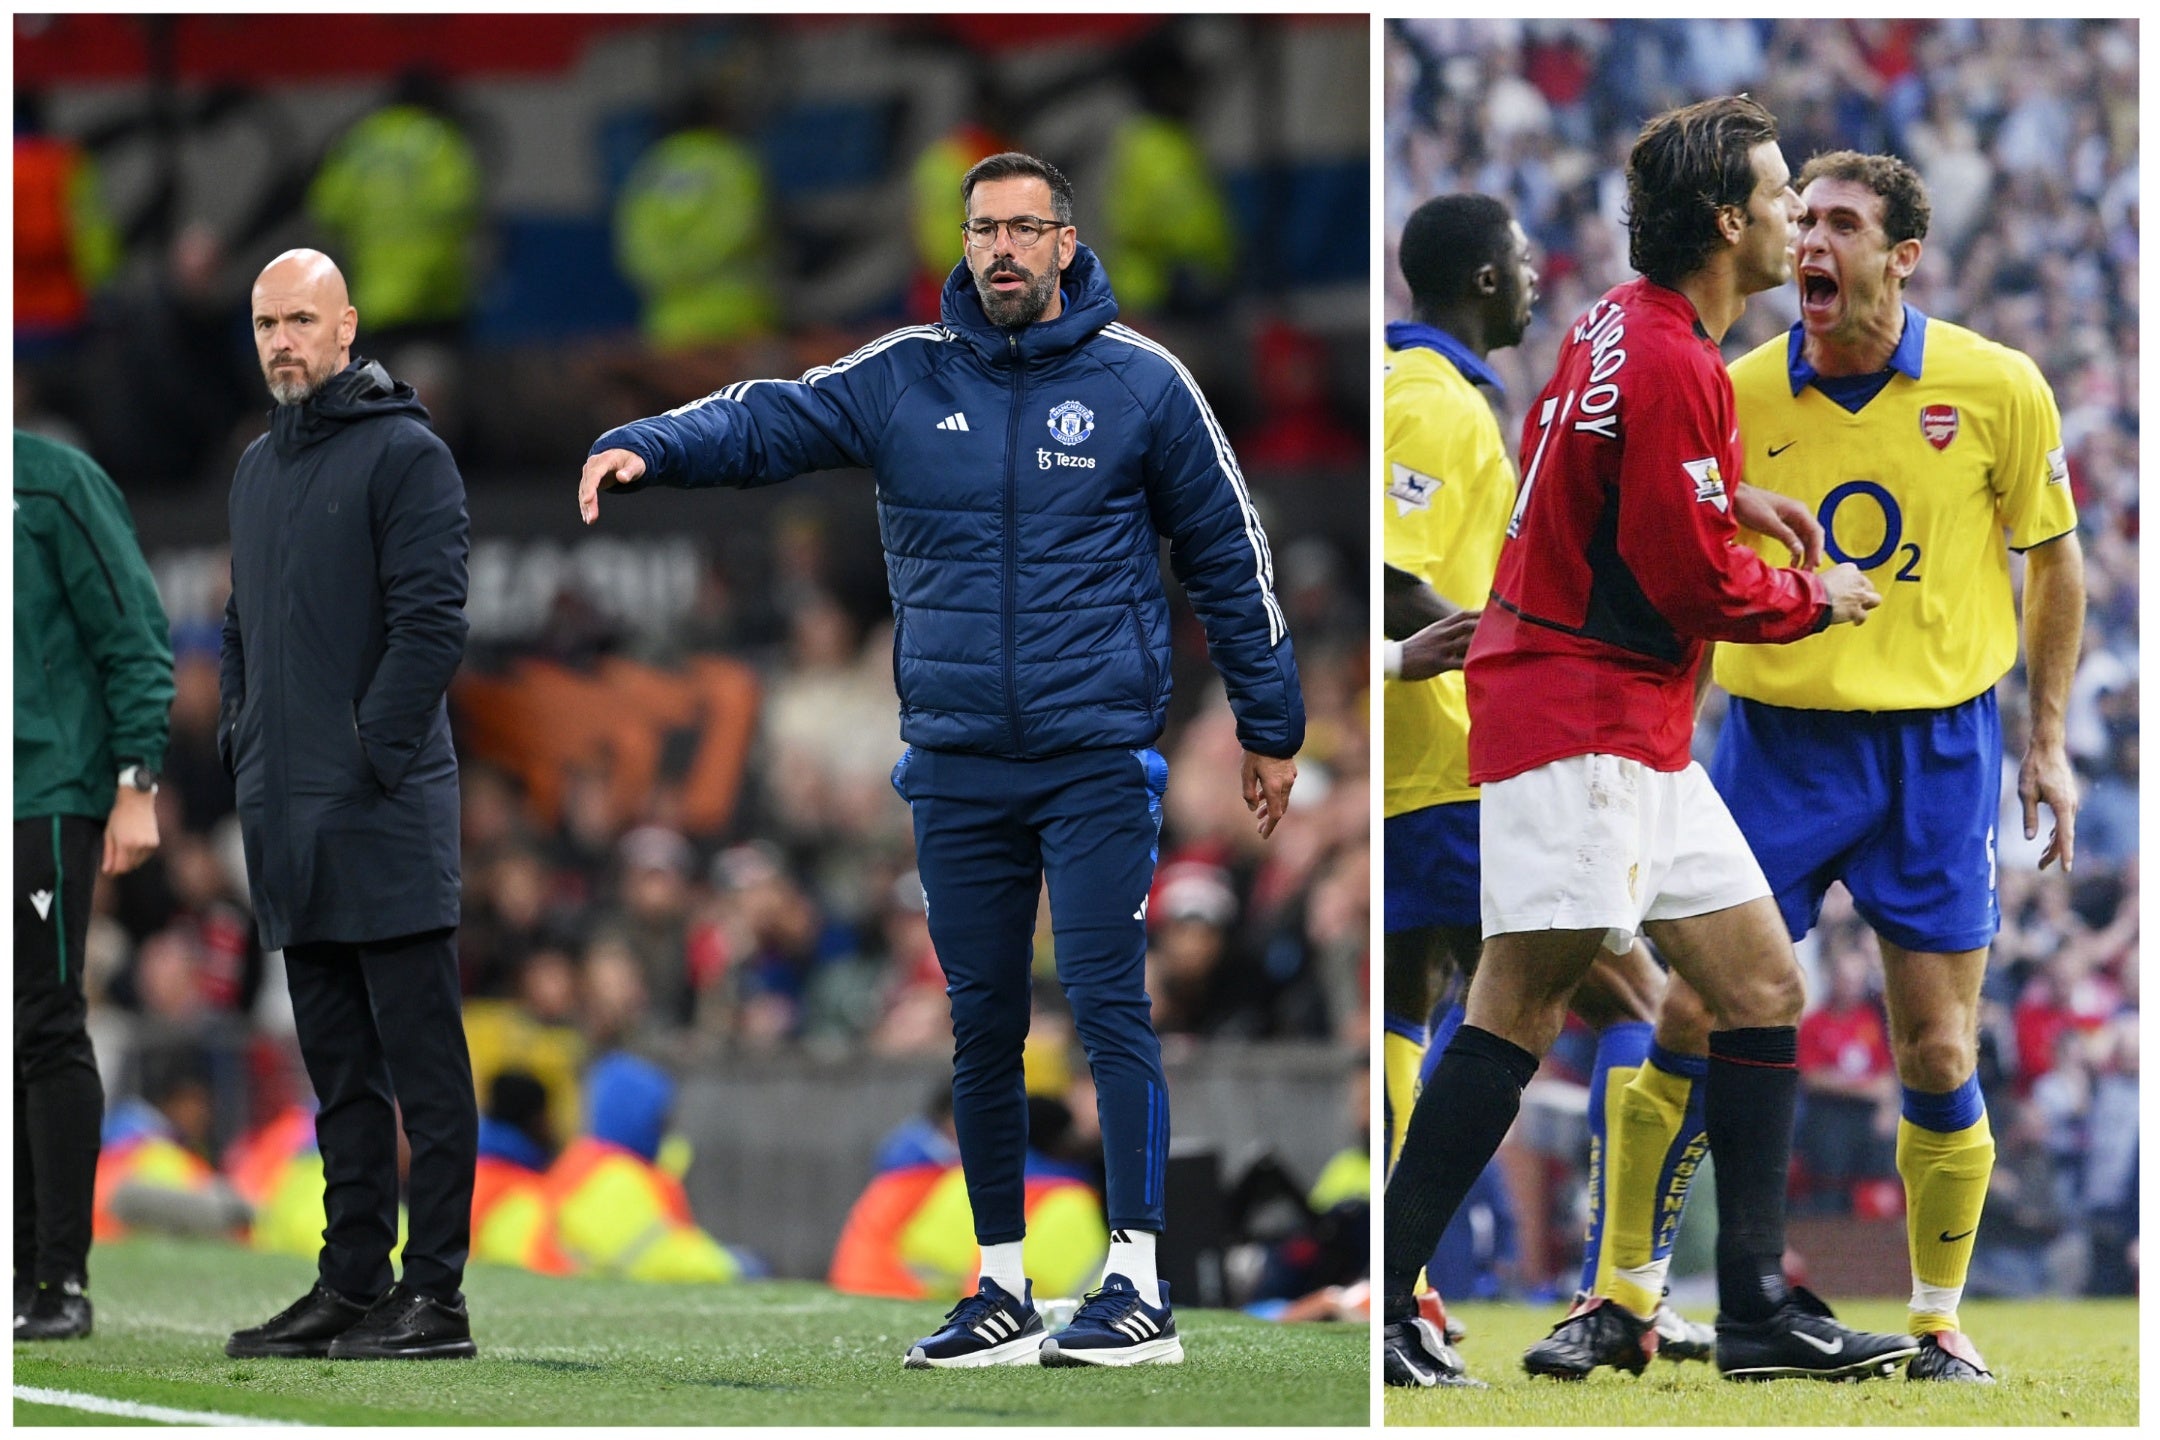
(1023,477)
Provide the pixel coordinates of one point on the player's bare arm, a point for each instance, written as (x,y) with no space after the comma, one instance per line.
(2054,626)
(1409,603)
(1439,647)
(609,467)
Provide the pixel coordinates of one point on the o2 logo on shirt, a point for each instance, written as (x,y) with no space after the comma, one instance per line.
(1893,529)
(1071,422)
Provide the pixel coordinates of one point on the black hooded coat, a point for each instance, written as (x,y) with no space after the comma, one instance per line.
(346,623)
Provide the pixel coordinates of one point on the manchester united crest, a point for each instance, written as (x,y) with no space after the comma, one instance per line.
(1071,422)
(1939,423)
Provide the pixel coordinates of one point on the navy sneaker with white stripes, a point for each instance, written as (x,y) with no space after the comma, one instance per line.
(1114,1326)
(989,1327)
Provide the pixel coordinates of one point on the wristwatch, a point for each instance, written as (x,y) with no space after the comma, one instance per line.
(140,777)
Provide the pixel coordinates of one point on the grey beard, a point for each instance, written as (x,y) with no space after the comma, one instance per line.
(1025,308)
(294,392)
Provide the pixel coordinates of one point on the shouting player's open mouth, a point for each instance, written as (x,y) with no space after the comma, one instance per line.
(1819,294)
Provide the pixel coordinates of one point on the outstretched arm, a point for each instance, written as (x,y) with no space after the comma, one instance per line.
(760,432)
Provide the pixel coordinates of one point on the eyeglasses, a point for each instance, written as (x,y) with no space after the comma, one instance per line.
(1026,231)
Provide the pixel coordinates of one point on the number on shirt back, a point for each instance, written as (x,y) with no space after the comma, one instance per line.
(1537,458)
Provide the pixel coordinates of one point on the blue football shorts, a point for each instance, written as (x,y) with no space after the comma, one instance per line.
(1429,867)
(1900,805)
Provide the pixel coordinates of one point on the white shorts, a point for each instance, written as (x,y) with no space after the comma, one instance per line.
(1597,842)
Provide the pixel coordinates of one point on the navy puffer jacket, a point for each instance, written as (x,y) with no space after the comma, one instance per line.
(1023,478)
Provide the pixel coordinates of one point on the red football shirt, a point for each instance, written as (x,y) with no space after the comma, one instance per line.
(1621,557)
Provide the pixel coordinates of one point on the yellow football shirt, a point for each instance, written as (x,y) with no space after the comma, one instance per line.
(1446,488)
(1960,453)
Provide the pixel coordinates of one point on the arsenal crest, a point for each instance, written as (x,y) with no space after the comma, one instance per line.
(1939,423)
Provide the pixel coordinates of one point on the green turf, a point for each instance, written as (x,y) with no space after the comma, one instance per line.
(2057,1362)
(594,1352)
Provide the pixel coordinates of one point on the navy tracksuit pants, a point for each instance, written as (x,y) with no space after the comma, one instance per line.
(987,834)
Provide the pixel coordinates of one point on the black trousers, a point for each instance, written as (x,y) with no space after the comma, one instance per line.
(59,1102)
(380,1021)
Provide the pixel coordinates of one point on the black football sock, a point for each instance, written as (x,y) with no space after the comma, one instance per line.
(1748,1110)
(1459,1121)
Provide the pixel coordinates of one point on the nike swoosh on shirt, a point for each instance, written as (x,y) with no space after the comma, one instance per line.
(1948,1239)
(1828,1347)
(1781,449)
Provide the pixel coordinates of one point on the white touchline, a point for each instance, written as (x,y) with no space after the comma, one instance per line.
(128,1409)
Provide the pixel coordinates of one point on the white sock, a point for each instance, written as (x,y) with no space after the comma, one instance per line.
(1935,1299)
(1002,1263)
(1132,1255)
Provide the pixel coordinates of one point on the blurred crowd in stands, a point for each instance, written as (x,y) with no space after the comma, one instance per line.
(754,893)
(2026,132)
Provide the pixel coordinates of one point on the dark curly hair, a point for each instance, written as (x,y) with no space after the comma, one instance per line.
(1906,211)
(1686,164)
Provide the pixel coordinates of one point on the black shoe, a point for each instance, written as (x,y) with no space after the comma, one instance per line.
(1949,1355)
(25,1297)
(1804,1341)
(1598,1331)
(58,1312)
(408,1325)
(302,1330)
(1414,1353)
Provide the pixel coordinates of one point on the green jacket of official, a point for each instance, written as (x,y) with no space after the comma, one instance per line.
(93,662)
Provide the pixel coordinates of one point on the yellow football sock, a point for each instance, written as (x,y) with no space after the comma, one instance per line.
(1643,1121)
(1401,1058)
(1946,1181)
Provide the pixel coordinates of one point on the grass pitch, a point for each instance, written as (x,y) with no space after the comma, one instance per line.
(2056,1362)
(597,1352)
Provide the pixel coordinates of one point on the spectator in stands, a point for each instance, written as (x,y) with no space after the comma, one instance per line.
(773,938)
(534,1032)
(615,1009)
(651,915)
(1191,912)
(505,922)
